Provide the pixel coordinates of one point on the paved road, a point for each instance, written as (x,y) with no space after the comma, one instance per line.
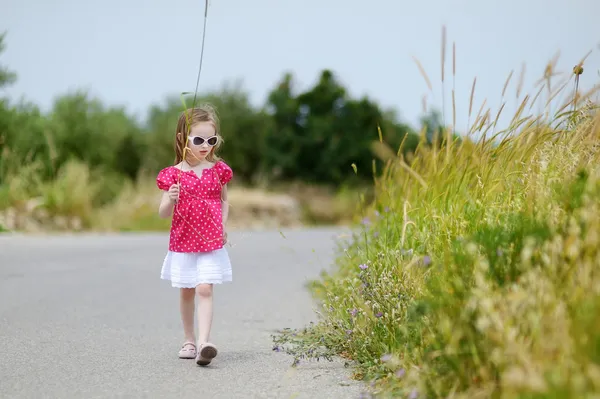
(88,317)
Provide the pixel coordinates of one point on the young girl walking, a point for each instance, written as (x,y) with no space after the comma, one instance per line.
(195,196)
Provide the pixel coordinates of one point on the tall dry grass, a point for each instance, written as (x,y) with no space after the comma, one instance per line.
(476,271)
(79,198)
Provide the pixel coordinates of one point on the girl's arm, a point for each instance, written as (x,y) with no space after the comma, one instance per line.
(224,205)
(165,209)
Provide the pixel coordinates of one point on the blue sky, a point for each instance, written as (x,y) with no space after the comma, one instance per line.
(134,52)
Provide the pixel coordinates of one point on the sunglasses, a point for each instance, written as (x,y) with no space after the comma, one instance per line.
(198,141)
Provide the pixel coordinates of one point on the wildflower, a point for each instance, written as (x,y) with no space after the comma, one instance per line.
(353,312)
(377,213)
(348,332)
(426,260)
(386,358)
(387,209)
(407,253)
(363,266)
(366,221)
(376,234)
(400,373)
(276,349)
(499,252)
(379,314)
(413,394)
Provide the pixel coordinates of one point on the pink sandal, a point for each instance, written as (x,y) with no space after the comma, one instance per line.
(206,354)
(187,351)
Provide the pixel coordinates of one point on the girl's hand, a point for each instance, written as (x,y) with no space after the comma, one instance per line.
(174,192)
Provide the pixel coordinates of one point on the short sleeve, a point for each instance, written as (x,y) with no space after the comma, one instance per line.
(165,179)
(225,173)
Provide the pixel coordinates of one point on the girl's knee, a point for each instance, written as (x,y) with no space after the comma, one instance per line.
(187,294)
(204,290)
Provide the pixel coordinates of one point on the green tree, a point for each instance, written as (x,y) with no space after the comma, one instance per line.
(7,77)
(317,135)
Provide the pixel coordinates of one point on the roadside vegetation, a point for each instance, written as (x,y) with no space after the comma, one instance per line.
(475,270)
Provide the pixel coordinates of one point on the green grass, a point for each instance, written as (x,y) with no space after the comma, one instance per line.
(477,271)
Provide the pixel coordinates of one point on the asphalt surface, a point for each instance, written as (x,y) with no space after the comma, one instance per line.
(87,316)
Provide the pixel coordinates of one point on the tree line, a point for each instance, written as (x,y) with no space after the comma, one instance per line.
(313,135)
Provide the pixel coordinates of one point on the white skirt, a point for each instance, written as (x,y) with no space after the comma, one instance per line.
(187,270)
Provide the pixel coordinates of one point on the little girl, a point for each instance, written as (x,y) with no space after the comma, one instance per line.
(195,196)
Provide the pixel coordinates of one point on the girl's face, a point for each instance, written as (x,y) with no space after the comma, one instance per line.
(202,140)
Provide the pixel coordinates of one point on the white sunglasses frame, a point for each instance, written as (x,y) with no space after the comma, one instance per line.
(205,140)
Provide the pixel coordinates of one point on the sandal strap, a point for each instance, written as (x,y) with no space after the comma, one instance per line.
(188,343)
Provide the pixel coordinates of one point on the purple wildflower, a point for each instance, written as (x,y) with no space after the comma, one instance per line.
(386,358)
(363,266)
(353,312)
(348,332)
(379,314)
(387,209)
(426,260)
(400,373)
(366,221)
(413,394)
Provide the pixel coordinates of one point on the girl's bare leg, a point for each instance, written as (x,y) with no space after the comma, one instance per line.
(186,305)
(205,312)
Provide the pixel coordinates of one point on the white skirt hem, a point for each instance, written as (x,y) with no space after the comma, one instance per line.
(187,270)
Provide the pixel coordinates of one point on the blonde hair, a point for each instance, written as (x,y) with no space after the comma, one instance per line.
(187,119)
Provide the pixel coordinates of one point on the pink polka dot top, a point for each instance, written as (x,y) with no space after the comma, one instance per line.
(197,224)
